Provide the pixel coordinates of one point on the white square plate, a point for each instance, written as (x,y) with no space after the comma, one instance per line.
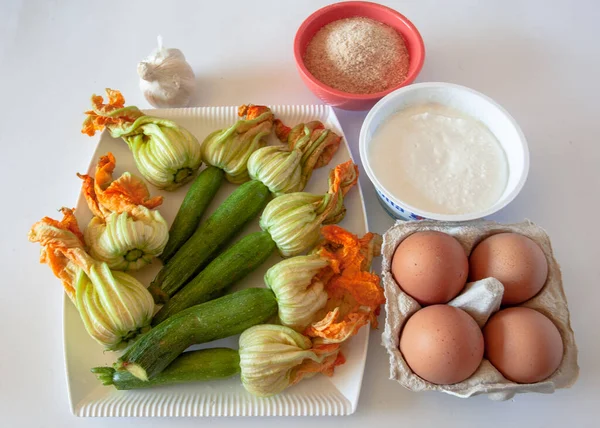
(319,395)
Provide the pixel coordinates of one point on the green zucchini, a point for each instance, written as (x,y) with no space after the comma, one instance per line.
(198,197)
(192,366)
(232,265)
(226,316)
(241,206)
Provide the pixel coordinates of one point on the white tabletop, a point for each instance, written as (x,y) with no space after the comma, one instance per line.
(540,60)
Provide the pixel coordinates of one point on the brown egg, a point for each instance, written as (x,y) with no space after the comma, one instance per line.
(431,267)
(524,345)
(514,260)
(442,344)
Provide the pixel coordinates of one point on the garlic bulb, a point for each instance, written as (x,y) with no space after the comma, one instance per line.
(166,79)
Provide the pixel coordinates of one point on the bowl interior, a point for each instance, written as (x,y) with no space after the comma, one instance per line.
(469,102)
(403,26)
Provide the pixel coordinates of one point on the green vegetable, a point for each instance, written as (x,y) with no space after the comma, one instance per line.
(217,319)
(273,357)
(294,220)
(193,366)
(114,306)
(241,206)
(127,241)
(293,223)
(287,168)
(278,167)
(196,200)
(232,265)
(237,151)
(166,154)
(299,290)
(126,232)
(229,149)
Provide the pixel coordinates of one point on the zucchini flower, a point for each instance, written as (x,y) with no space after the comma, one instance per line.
(286,169)
(274,357)
(113,306)
(299,290)
(294,220)
(229,149)
(278,168)
(354,293)
(166,154)
(62,267)
(332,283)
(125,233)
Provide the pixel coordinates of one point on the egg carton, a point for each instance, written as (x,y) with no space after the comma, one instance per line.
(480,299)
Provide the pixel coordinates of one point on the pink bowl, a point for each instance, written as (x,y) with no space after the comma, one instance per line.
(377,12)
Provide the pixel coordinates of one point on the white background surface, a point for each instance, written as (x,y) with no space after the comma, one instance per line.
(540,60)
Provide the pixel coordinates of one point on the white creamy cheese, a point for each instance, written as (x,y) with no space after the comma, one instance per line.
(439,160)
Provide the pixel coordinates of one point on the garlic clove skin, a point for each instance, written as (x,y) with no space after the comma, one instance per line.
(166,79)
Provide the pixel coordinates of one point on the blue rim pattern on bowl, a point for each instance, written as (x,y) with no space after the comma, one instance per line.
(396,210)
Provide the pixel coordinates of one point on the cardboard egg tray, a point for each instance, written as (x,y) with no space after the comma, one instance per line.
(480,299)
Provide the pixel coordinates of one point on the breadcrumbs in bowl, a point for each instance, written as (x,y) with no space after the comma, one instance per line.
(357,55)
(352,54)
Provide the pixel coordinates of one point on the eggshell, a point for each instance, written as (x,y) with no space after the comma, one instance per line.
(432,267)
(513,259)
(442,344)
(524,345)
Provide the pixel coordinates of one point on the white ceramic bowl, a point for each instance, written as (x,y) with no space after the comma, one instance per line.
(468,101)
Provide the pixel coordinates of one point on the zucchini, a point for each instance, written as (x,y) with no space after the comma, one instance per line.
(198,197)
(241,206)
(193,366)
(226,316)
(232,265)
